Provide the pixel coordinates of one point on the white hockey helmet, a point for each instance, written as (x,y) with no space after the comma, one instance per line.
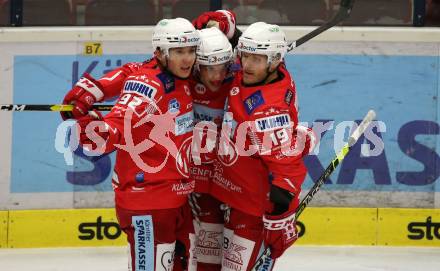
(214,47)
(174,33)
(263,39)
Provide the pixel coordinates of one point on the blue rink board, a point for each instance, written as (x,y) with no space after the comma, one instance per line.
(402,89)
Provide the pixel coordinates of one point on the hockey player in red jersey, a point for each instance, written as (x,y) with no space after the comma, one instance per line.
(209,87)
(259,170)
(150,127)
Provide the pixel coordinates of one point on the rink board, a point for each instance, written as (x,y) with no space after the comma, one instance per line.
(339,76)
(338,226)
(3,229)
(61,228)
(317,226)
(408,227)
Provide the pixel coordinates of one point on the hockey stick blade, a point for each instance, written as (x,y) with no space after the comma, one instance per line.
(48,107)
(344,11)
(321,180)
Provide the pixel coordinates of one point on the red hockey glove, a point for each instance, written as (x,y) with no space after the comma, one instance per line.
(83,95)
(279,232)
(224,18)
(94,133)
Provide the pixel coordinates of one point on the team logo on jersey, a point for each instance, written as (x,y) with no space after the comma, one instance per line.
(234,91)
(184,158)
(173,105)
(288,97)
(200,89)
(227,152)
(141,88)
(272,123)
(253,101)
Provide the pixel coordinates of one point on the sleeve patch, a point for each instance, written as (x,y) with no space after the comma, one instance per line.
(288,97)
(253,101)
(167,81)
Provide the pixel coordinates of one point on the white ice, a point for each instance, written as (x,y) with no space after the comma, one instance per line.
(299,258)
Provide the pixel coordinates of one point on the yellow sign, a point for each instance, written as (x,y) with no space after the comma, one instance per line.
(317,226)
(92,48)
(61,228)
(337,226)
(408,227)
(3,229)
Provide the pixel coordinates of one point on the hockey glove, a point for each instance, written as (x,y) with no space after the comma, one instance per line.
(94,133)
(83,95)
(279,232)
(223,19)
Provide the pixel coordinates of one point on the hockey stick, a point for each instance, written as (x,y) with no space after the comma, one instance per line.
(328,171)
(344,11)
(48,107)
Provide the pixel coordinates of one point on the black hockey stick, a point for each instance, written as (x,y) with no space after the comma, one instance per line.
(344,11)
(48,107)
(328,171)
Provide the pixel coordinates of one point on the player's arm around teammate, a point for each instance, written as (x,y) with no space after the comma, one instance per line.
(212,79)
(150,127)
(259,171)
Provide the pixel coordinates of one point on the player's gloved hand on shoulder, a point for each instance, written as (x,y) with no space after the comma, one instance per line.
(83,95)
(94,133)
(279,232)
(223,19)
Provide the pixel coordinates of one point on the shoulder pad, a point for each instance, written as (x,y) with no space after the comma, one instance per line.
(133,66)
(168,81)
(150,63)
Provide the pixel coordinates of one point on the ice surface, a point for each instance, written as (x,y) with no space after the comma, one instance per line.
(298,258)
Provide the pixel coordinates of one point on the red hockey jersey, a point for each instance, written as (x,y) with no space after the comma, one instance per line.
(154,120)
(208,106)
(257,146)
(111,83)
